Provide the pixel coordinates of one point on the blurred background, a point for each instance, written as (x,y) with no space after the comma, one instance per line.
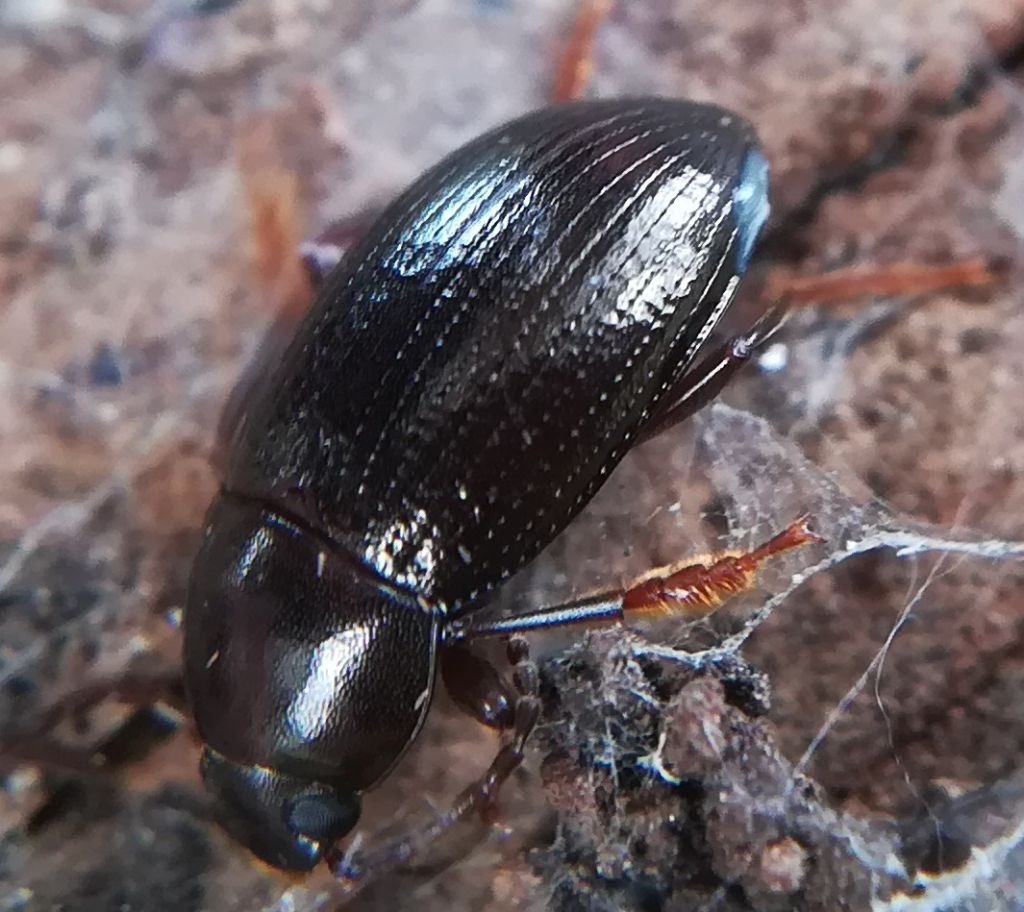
(159,164)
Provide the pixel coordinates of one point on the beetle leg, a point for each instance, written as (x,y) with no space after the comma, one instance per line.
(37,747)
(897,279)
(476,686)
(576,61)
(693,588)
(325,251)
(702,383)
(479,797)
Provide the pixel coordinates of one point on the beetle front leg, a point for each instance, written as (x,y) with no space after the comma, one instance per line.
(481,796)
(478,690)
(476,686)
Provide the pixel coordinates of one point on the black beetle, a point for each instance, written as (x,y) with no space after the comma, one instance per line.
(466,379)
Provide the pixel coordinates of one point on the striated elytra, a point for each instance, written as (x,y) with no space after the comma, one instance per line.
(466,379)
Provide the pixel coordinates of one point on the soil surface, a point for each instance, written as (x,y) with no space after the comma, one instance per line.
(138,142)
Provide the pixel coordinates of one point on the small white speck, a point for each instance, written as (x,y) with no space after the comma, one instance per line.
(213,658)
(463,493)
(465,555)
(421,699)
(527,437)
(774,358)
(20,780)
(321,562)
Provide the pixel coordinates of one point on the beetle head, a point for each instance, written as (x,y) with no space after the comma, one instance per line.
(285,820)
(308,678)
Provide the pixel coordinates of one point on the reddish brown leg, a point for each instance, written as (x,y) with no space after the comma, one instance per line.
(692,588)
(698,587)
(898,279)
(481,680)
(703,383)
(576,62)
(276,217)
(287,273)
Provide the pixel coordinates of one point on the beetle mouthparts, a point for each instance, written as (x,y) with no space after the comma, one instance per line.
(286,821)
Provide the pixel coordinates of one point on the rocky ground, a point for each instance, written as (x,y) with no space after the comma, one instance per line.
(883,772)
